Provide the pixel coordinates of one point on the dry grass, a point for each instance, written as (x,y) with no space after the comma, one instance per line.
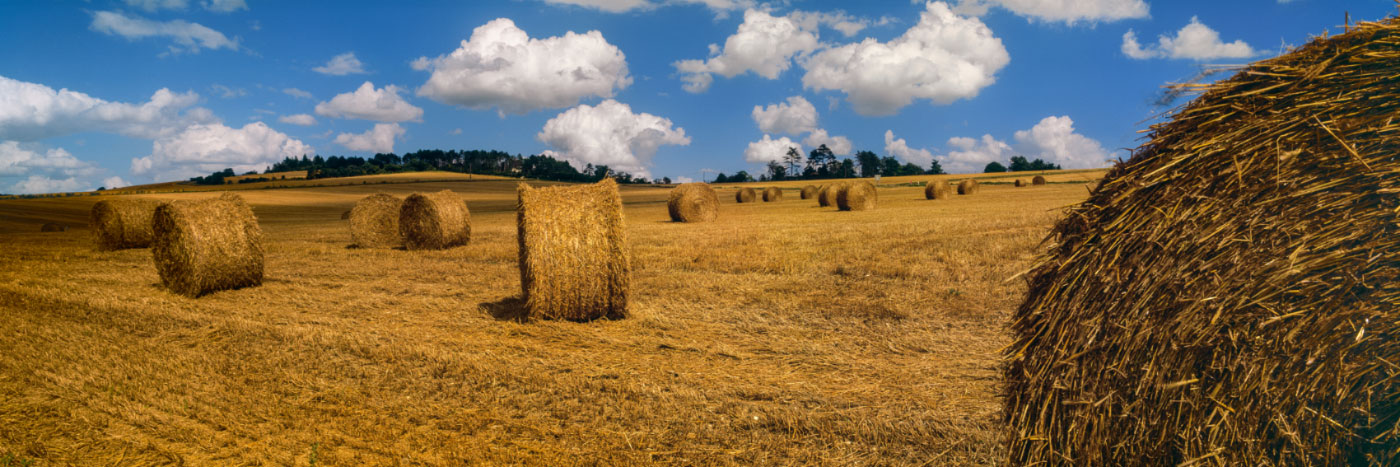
(780,333)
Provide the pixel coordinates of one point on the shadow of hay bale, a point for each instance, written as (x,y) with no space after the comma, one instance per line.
(507,309)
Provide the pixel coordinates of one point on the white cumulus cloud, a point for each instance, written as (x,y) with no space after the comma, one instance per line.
(298,119)
(114,182)
(503,67)
(972,155)
(768,150)
(219,6)
(1064,11)
(609,134)
(297,93)
(31,111)
(1195,41)
(897,147)
(379,139)
(224,6)
(43,184)
(187,36)
(839,145)
(16,160)
(367,103)
(206,148)
(341,65)
(943,58)
(623,6)
(1054,140)
(794,117)
(764,44)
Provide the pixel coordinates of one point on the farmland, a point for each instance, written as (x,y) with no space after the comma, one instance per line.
(780,333)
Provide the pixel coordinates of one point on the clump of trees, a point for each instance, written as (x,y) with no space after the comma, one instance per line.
(821,163)
(1020,164)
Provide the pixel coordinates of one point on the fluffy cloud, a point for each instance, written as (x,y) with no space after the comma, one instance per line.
(770,150)
(16,160)
(205,148)
(1195,41)
(298,119)
(972,155)
(846,24)
(1065,11)
(379,139)
(368,103)
(341,65)
(114,182)
(764,44)
(297,93)
(622,6)
(609,134)
(943,58)
(187,36)
(31,111)
(795,117)
(1054,140)
(220,6)
(501,66)
(225,6)
(839,145)
(897,147)
(42,184)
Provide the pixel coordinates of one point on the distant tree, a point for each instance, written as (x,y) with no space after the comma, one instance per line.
(823,160)
(889,166)
(1020,164)
(911,169)
(934,168)
(666,180)
(740,177)
(809,173)
(994,166)
(776,171)
(847,169)
(870,165)
(721,178)
(793,159)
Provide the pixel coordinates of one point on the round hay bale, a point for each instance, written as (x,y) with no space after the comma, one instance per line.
(122,223)
(202,246)
(345,215)
(693,202)
(574,259)
(858,196)
(434,221)
(1037,180)
(935,189)
(1020,183)
(1229,295)
(772,194)
(809,191)
(968,187)
(745,195)
(52,227)
(374,221)
(826,197)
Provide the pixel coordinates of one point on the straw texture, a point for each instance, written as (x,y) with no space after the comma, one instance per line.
(1230,295)
(772,194)
(1020,183)
(858,196)
(745,195)
(968,187)
(1037,180)
(374,221)
(122,223)
(935,189)
(202,246)
(693,202)
(809,192)
(574,259)
(435,221)
(826,197)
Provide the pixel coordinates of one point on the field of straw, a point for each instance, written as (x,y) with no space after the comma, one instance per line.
(780,333)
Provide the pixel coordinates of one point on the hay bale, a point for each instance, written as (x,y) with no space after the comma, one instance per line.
(374,221)
(826,197)
(345,215)
(122,223)
(434,221)
(935,189)
(809,191)
(574,260)
(693,202)
(858,196)
(1038,180)
(202,246)
(1020,183)
(1229,295)
(968,187)
(52,227)
(772,194)
(745,195)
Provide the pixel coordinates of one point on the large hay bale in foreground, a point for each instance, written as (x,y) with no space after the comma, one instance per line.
(1038,180)
(693,202)
(574,260)
(122,223)
(936,189)
(374,221)
(53,227)
(1230,295)
(772,194)
(202,246)
(809,191)
(968,187)
(826,197)
(434,221)
(745,195)
(858,196)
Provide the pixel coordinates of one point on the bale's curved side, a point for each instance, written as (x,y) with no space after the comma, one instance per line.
(1038,180)
(772,194)
(745,195)
(122,223)
(1020,183)
(574,258)
(858,196)
(809,191)
(693,202)
(1230,295)
(374,221)
(968,187)
(936,189)
(827,196)
(434,221)
(202,246)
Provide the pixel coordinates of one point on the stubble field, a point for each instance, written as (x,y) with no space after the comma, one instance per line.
(782,333)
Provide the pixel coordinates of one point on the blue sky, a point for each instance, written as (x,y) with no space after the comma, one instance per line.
(115,92)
